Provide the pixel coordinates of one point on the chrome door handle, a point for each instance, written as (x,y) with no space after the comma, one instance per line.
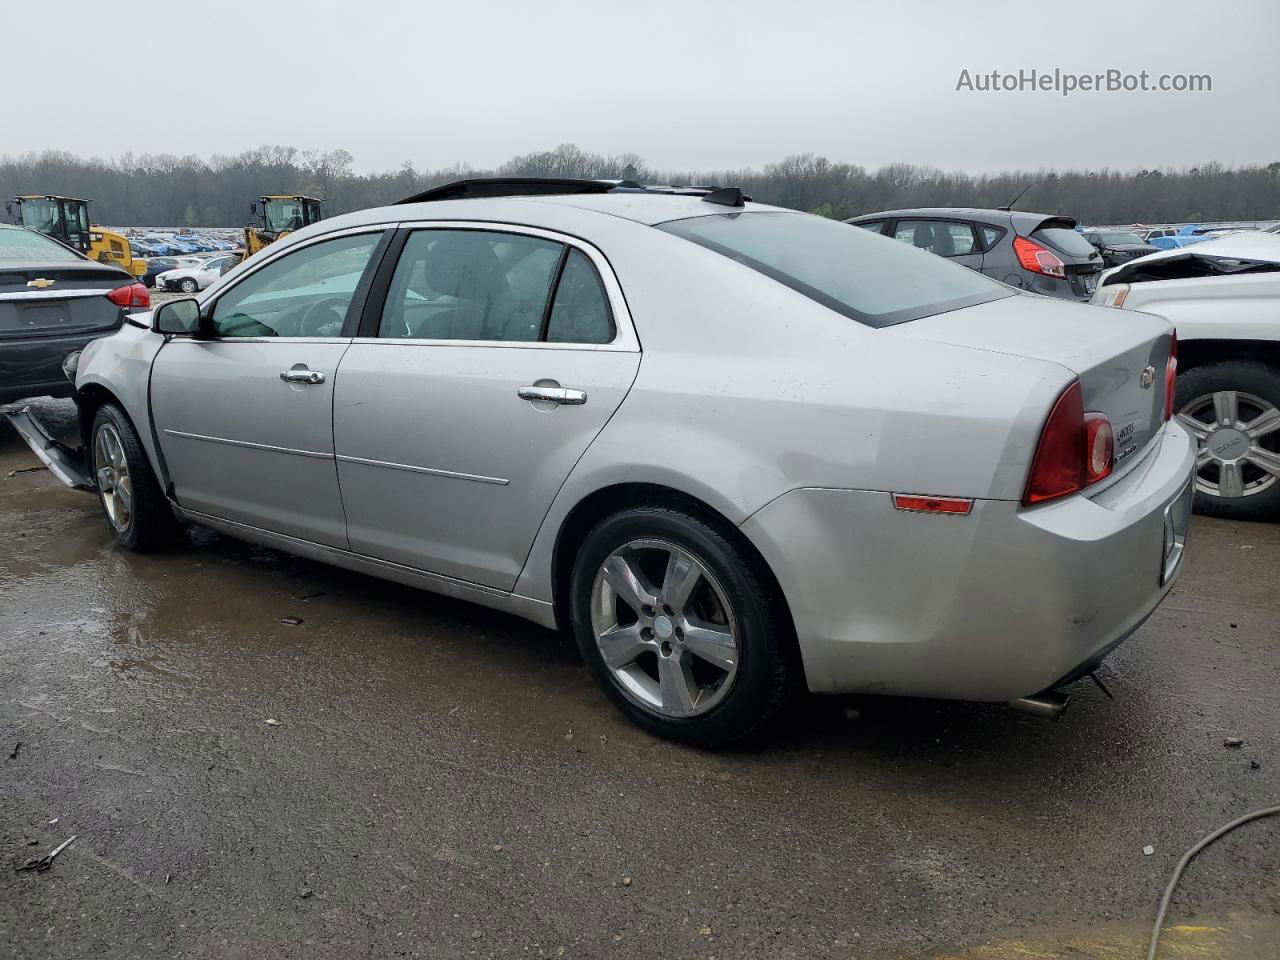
(566,396)
(302,376)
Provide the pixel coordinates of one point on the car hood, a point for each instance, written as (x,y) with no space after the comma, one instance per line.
(1246,245)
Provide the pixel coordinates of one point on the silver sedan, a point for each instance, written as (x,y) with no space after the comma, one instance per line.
(736,450)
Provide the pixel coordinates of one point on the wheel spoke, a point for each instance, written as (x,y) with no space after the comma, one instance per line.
(628,583)
(1260,426)
(1230,479)
(1204,457)
(676,686)
(621,646)
(1226,407)
(124,493)
(1195,427)
(682,576)
(1264,460)
(712,643)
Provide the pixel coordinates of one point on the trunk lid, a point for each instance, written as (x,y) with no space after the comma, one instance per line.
(1119,356)
(49,299)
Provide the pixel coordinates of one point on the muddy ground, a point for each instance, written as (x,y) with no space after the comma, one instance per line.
(443,781)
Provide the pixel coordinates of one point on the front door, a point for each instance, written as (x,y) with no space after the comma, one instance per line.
(244,414)
(495,360)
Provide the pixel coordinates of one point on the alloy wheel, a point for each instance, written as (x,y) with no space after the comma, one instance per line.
(112,471)
(1238,443)
(664,628)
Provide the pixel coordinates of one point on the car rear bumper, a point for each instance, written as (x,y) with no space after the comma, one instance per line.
(1000,604)
(32,366)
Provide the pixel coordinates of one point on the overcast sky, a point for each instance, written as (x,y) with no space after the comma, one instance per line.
(684,84)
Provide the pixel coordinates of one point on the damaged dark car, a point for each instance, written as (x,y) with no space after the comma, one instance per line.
(54,301)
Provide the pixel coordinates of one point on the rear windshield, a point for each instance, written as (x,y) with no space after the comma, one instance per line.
(1065,241)
(872,279)
(29,245)
(1117,236)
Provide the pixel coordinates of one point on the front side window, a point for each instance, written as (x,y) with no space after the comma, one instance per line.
(943,237)
(842,268)
(306,293)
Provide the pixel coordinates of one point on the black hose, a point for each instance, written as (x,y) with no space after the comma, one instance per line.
(1182,865)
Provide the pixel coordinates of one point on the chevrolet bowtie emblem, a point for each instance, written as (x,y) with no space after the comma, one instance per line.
(41,283)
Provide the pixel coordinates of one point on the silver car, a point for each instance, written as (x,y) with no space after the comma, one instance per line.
(736,450)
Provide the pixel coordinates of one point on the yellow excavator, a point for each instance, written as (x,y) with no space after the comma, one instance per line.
(67,219)
(275,216)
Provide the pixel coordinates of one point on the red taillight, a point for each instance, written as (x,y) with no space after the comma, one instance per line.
(1170,376)
(1076,449)
(133,295)
(1038,259)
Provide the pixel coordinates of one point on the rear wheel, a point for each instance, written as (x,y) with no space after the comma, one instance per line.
(1232,408)
(680,626)
(135,507)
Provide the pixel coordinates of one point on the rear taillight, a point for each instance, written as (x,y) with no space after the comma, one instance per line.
(132,295)
(1170,376)
(1038,259)
(1076,449)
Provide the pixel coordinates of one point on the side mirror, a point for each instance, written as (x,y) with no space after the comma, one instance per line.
(253,208)
(177,316)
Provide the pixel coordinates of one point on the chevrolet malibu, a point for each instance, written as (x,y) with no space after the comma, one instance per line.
(734,449)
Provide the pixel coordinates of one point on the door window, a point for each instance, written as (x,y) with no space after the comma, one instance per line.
(580,312)
(943,237)
(306,293)
(991,236)
(483,285)
(872,226)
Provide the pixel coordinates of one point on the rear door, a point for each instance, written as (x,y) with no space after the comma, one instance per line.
(495,356)
(245,413)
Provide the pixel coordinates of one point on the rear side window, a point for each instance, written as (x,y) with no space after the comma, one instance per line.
(29,245)
(844,269)
(991,236)
(1064,239)
(946,238)
(486,285)
(580,311)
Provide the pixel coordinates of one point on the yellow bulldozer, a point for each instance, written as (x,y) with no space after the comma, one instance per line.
(66,219)
(275,216)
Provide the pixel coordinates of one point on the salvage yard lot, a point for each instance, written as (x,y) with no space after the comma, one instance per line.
(446,781)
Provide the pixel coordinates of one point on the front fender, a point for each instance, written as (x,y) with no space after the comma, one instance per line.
(120,366)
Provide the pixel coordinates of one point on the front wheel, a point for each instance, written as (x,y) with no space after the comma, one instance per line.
(135,507)
(681,627)
(188,286)
(1232,408)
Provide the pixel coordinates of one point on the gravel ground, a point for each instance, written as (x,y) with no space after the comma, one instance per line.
(444,781)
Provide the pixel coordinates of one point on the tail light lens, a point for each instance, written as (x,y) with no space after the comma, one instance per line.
(1076,449)
(132,295)
(1038,259)
(1170,377)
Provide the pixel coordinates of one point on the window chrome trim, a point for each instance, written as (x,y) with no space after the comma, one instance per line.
(314,454)
(433,471)
(625,338)
(67,294)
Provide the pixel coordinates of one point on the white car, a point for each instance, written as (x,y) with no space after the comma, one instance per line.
(196,274)
(1223,296)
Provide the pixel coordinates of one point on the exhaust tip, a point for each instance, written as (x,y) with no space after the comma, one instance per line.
(1049,705)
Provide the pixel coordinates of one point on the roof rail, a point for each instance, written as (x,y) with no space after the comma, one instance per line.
(480,187)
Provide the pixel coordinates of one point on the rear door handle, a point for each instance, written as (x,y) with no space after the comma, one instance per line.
(566,396)
(301,375)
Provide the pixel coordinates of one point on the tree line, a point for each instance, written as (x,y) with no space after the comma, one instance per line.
(167,190)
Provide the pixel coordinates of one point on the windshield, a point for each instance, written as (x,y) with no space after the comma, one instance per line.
(284,215)
(1117,236)
(40,215)
(872,279)
(25,245)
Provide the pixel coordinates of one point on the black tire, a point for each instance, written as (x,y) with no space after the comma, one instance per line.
(1260,382)
(768,671)
(188,285)
(150,523)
